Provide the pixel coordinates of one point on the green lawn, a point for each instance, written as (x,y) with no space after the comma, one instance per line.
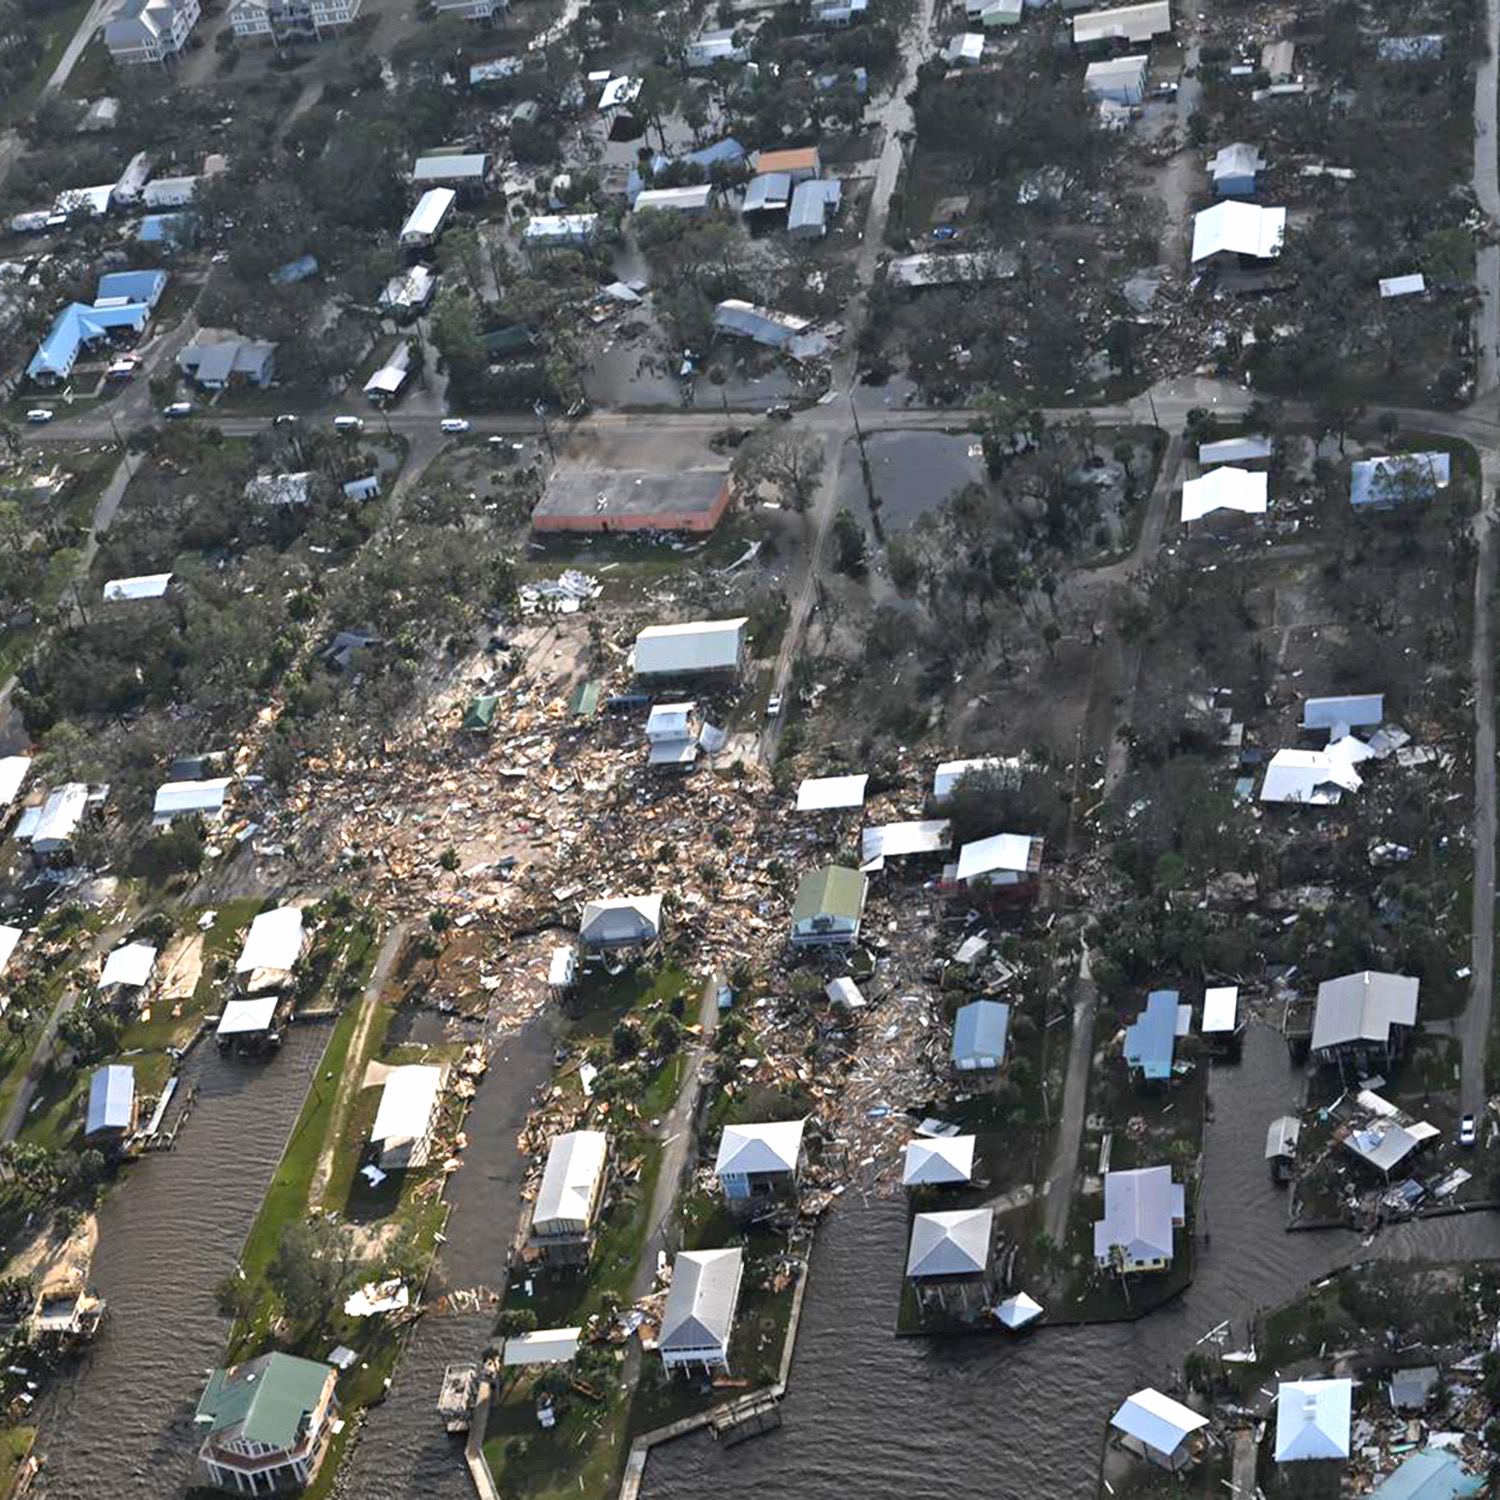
(57,30)
(15,1444)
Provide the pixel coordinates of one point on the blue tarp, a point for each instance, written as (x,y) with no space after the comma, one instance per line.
(1152,1039)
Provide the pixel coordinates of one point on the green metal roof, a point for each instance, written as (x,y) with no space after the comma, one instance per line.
(584,702)
(480,713)
(267,1398)
(834,892)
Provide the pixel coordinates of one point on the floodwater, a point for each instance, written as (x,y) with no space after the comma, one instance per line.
(981,1417)
(122,1425)
(912,472)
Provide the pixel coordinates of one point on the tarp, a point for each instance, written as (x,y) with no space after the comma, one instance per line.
(824,793)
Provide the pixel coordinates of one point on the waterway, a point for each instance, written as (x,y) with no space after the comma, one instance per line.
(870,1414)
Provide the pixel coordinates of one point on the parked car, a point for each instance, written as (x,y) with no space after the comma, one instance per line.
(773,705)
(40,414)
(178,409)
(349,424)
(946,232)
(1468,1133)
(781,412)
(454,424)
(286,419)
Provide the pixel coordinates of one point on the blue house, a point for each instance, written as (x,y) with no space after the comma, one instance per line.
(1233,169)
(120,288)
(980,1032)
(76,326)
(728,151)
(169,230)
(1429,1475)
(1152,1039)
(301,269)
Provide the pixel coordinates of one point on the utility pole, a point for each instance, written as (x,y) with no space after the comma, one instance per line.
(541,411)
(124,450)
(1155,420)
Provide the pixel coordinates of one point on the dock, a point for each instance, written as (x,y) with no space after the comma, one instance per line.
(748,1417)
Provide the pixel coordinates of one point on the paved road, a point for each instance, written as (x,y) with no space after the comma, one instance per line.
(1487,192)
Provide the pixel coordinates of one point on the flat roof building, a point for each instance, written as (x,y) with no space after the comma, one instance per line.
(692,648)
(605,500)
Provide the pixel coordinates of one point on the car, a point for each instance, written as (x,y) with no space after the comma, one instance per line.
(178,409)
(781,412)
(773,705)
(40,414)
(286,419)
(1468,1133)
(946,232)
(349,424)
(454,424)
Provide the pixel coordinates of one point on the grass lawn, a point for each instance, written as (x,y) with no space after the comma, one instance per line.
(15,1444)
(57,30)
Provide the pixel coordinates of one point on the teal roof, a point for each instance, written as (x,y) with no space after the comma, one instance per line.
(267,1399)
(1429,1475)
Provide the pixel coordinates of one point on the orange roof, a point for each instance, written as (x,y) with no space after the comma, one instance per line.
(787,161)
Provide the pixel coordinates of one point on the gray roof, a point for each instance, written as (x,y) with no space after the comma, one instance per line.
(1355,712)
(979,1029)
(1362,1008)
(111,1099)
(950,1244)
(1139,1210)
(811,202)
(575,1163)
(1282,1136)
(1238,160)
(1411,1388)
(700,1306)
(774,190)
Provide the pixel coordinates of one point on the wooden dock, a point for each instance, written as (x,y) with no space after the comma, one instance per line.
(748,1417)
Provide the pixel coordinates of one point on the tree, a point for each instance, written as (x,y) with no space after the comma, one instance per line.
(455,334)
(312,1268)
(1120,346)
(233,1297)
(790,463)
(513,1322)
(849,540)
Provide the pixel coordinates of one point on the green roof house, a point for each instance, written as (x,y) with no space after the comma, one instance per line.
(480,714)
(267,1424)
(828,907)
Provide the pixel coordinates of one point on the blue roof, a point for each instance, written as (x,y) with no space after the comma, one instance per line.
(980,1029)
(78,324)
(165,228)
(1429,1475)
(1151,1040)
(727,150)
(111,1098)
(295,270)
(136,286)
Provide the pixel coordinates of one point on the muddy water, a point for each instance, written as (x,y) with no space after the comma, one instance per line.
(1025,1419)
(913,472)
(123,1426)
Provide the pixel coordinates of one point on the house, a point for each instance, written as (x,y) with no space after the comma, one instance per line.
(406,1118)
(993,768)
(1282,1136)
(78,327)
(1009,861)
(980,1032)
(170,231)
(134,590)
(759,1162)
(544,1346)
(127,968)
(567,1202)
(1383,1144)
(1121,80)
(1227,489)
(471,10)
(218,365)
(839,12)
(939,1160)
(57,821)
(464,172)
(479,713)
(280,489)
(695,648)
(169,192)
(829,793)
(829,907)
(698,1320)
(812,202)
(691,200)
(1310,777)
(1341,715)
(1141,1209)
(1413,285)
(800,163)
(966,49)
(620,922)
(1242,230)
(1411,1390)
(128,288)
(1128,23)
(203,798)
(10,938)
(1276,60)
(771,192)
(149,31)
(13,772)
(290,20)
(425,222)
(248,1024)
(710,47)
(1384,483)
(898,840)
(1312,1420)
(562,968)
(273,945)
(948,1261)
(783,332)
(406,295)
(1157,1428)
(618,91)
(605,500)
(367,487)
(672,731)
(1429,1474)
(266,1424)
(1365,1017)
(1234,168)
(544,231)
(1151,1039)
(387,383)
(112,1104)
(1237,450)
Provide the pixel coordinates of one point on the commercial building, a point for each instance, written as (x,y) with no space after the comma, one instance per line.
(614,500)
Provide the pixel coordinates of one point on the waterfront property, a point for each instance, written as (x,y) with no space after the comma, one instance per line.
(272,947)
(616,922)
(829,907)
(939,1161)
(567,1202)
(698,1321)
(949,1260)
(759,1163)
(267,1424)
(1429,1474)
(407,1116)
(1313,1420)
(1281,1146)
(1151,1040)
(1142,1208)
(1364,1018)
(112,1105)
(1157,1428)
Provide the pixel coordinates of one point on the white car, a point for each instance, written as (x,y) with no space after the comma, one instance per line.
(178,409)
(40,414)
(349,424)
(454,424)
(773,706)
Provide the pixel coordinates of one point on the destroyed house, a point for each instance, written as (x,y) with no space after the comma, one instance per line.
(696,649)
(698,1320)
(1364,1017)
(267,1424)
(994,768)
(613,500)
(567,1202)
(614,922)
(1141,1210)
(829,907)
(1151,1040)
(948,1261)
(980,1032)
(756,1162)
(56,822)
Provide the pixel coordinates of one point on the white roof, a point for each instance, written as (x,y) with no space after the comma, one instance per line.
(616,919)
(1110,69)
(1310,776)
(449,168)
(560,228)
(1239,229)
(574,1164)
(822,793)
(1234,450)
(1402,286)
(1220,1007)
(1128,23)
(147,586)
(432,208)
(60,814)
(891,840)
(693,646)
(406,1103)
(273,942)
(696,196)
(968,46)
(950,772)
(844,991)
(1156,1420)
(1009,852)
(1225,489)
(560,969)
(546,1346)
(1141,1208)
(130,965)
(619,91)
(1312,1419)
(13,769)
(1018,1311)
(9,937)
(670,721)
(176,797)
(773,1147)
(950,1244)
(241,1016)
(941,1158)
(701,1304)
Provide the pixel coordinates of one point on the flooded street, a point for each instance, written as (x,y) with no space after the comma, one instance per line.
(121,1426)
(913,473)
(1025,1418)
